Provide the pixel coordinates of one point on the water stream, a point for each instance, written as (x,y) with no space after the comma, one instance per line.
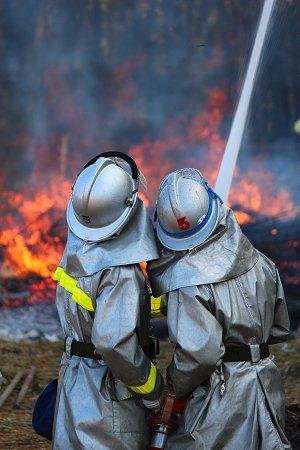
(238,125)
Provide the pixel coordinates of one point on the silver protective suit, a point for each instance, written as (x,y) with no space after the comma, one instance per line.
(224,293)
(95,408)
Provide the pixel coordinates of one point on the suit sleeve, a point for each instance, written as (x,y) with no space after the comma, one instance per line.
(281,325)
(197,336)
(120,299)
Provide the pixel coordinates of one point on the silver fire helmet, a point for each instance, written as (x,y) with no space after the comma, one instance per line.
(103,199)
(187,210)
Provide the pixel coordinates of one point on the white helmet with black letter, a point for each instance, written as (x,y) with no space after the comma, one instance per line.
(187,210)
(104,196)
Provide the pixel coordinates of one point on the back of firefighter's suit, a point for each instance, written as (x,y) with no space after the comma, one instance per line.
(225,306)
(102,304)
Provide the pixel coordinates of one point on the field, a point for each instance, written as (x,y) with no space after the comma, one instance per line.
(15,423)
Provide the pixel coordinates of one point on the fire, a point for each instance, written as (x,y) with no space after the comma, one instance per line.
(20,292)
(145,199)
(159,157)
(242,217)
(248,192)
(28,242)
(34,229)
(253,191)
(291,270)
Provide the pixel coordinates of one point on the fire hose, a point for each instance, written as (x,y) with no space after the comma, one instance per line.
(165,422)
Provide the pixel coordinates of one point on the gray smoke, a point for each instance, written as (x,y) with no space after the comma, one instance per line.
(85,76)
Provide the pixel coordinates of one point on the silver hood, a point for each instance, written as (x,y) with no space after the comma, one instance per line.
(135,243)
(224,255)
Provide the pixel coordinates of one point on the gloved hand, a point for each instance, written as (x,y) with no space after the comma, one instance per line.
(156,404)
(178,403)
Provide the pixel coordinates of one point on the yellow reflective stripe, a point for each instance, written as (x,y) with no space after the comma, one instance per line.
(58,273)
(150,383)
(157,310)
(70,285)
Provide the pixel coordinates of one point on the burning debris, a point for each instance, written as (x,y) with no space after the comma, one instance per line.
(34,228)
(165,106)
(15,292)
(137,80)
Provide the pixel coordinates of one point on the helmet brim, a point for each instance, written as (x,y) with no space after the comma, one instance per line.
(102,233)
(194,240)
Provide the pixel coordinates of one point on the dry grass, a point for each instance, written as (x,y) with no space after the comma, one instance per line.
(15,424)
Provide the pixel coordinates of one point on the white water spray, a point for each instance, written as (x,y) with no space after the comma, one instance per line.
(235,136)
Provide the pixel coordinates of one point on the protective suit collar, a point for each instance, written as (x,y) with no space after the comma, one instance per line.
(226,254)
(135,243)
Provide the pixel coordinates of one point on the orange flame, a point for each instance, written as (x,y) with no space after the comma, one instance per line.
(33,246)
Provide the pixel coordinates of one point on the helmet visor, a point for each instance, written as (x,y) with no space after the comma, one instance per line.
(189,173)
(125,166)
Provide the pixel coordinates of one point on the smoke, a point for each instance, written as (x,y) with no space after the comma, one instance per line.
(81,77)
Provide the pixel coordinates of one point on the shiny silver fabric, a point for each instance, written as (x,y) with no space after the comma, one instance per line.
(245,305)
(95,409)
(135,243)
(226,254)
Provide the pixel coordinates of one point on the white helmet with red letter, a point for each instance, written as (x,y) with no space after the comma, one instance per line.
(187,210)
(104,196)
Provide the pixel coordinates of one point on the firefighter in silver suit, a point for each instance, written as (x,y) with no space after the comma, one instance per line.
(107,378)
(226,305)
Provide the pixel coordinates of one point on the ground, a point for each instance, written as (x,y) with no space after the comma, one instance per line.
(15,423)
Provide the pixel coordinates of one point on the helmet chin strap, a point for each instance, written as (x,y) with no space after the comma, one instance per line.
(210,189)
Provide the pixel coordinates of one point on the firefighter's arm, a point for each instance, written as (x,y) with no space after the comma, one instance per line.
(197,336)
(117,314)
(281,325)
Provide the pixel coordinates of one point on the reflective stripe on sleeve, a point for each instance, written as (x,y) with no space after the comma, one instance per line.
(150,383)
(70,285)
(157,307)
